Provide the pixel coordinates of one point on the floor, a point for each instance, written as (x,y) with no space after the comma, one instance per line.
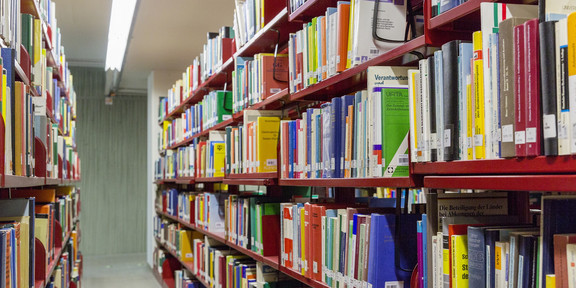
(118,271)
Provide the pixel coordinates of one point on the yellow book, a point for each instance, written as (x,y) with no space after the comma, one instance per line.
(550,281)
(312,51)
(412,92)
(350,34)
(302,242)
(267,131)
(203,161)
(572,73)
(459,261)
(469,120)
(19,127)
(219,159)
(37,40)
(186,252)
(478,72)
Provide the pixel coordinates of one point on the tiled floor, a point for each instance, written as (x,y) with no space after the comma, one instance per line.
(118,271)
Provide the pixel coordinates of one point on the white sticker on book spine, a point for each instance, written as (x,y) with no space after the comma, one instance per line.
(520,137)
(478,140)
(531,135)
(549,125)
(562,131)
(508,133)
(394,284)
(447,142)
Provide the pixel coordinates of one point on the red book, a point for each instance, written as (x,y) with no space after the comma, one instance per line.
(274,74)
(287,257)
(222,263)
(316,213)
(285,149)
(532,72)
(342,36)
(227,48)
(270,243)
(520,97)
(299,63)
(560,263)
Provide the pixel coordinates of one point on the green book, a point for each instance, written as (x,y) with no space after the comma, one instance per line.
(223,105)
(253,224)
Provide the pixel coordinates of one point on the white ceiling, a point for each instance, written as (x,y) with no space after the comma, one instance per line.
(166,36)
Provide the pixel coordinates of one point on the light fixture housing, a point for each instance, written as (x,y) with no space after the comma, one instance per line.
(121,18)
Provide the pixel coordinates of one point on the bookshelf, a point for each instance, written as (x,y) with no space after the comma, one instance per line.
(517,175)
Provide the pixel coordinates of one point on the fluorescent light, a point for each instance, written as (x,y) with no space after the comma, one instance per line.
(118,32)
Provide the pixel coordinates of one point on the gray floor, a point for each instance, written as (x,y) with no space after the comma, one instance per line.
(118,271)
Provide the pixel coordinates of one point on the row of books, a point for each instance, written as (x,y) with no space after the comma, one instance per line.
(183,279)
(29,214)
(295,4)
(353,136)
(214,108)
(250,16)
(499,96)
(342,38)
(217,50)
(252,146)
(257,78)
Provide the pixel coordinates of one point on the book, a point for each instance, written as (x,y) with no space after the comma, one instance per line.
(556,10)
(571,263)
(554,208)
(520,94)
(459,260)
(267,140)
(480,122)
(450,95)
(548,88)
(572,76)
(532,71)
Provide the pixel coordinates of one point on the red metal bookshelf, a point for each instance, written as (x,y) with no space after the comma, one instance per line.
(303,279)
(310,9)
(354,79)
(529,165)
(556,183)
(403,182)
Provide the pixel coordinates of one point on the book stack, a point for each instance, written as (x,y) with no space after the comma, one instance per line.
(353,136)
(185,161)
(251,147)
(340,39)
(209,211)
(214,108)
(257,78)
(183,279)
(245,220)
(295,4)
(250,16)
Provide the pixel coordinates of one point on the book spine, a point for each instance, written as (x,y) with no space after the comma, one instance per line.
(572,77)
(520,96)
(533,129)
(548,80)
(479,100)
(450,79)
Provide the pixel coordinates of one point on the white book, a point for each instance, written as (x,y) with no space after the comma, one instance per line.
(563,114)
(375,85)
(413,113)
(323,264)
(392,15)
(425,102)
(491,15)
(494,131)
(558,9)
(305,54)
(332,47)
(571,259)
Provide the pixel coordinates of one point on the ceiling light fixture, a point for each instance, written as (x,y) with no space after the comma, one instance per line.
(118,32)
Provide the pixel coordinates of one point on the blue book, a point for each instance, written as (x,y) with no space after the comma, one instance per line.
(318,143)
(336,124)
(555,212)
(355,125)
(425,249)
(327,139)
(392,254)
(526,250)
(476,257)
(347,100)
(309,161)
(319,33)
(446,5)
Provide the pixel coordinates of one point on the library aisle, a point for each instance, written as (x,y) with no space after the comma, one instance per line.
(118,271)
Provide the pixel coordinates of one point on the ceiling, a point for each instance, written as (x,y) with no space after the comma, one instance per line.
(167,34)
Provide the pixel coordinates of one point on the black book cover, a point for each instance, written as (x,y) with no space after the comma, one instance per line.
(548,92)
(432,102)
(451,135)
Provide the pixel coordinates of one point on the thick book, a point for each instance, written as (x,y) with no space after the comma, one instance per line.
(450,99)
(267,141)
(507,87)
(557,9)
(274,69)
(439,100)
(342,34)
(532,72)
(480,121)
(548,80)
(432,110)
(466,101)
(520,95)
(555,211)
(392,256)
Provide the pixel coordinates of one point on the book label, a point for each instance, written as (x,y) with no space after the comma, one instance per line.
(520,137)
(549,125)
(531,135)
(508,133)
(447,138)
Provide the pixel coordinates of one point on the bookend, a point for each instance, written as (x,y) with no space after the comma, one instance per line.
(60,164)
(40,268)
(170,265)
(39,158)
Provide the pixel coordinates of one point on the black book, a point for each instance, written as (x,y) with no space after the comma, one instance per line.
(432,94)
(450,97)
(548,88)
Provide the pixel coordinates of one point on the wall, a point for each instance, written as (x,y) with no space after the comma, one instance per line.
(158,84)
(112,147)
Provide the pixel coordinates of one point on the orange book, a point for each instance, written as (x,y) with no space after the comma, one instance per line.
(324,65)
(274,74)
(342,35)
(41,195)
